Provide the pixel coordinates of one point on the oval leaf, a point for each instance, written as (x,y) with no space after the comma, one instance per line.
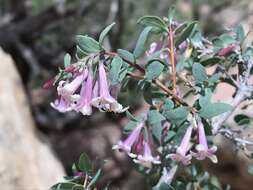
(213,109)
(126,55)
(115,69)
(67,60)
(140,45)
(84,163)
(177,115)
(157,24)
(185,33)
(153,70)
(199,73)
(88,44)
(105,32)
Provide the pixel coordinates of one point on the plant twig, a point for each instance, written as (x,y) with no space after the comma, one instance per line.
(244,91)
(172,58)
(156,82)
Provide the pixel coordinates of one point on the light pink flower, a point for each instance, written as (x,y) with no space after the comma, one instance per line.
(152,49)
(181,152)
(202,148)
(147,159)
(104,101)
(127,144)
(68,89)
(84,104)
(61,105)
(155,47)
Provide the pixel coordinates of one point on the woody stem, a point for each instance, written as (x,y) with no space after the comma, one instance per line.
(172,58)
(156,82)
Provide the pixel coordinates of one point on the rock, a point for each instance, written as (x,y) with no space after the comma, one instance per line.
(26,161)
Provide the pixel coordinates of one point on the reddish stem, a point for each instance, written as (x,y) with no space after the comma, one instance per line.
(157,82)
(172,58)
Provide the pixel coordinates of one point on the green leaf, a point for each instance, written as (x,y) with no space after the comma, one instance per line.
(95,178)
(157,24)
(122,74)
(124,54)
(227,39)
(63,186)
(74,168)
(78,187)
(115,68)
(84,163)
(213,109)
(140,45)
(177,115)
(154,119)
(250,169)
(242,119)
(205,100)
(179,134)
(210,61)
(88,44)
(171,14)
(168,105)
(185,33)
(131,116)
(214,79)
(199,73)
(196,38)
(67,60)
(163,186)
(105,32)
(180,28)
(180,64)
(169,136)
(248,53)
(240,34)
(130,126)
(153,70)
(147,93)
(80,53)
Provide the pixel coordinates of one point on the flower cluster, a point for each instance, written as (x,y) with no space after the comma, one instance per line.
(137,147)
(203,151)
(79,90)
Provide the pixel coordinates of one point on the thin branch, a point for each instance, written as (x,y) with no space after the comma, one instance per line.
(156,82)
(172,58)
(244,92)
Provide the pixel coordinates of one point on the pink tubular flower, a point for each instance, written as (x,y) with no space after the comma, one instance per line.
(127,144)
(227,50)
(67,98)
(67,90)
(84,104)
(61,105)
(104,101)
(152,49)
(147,159)
(181,151)
(202,148)
(155,47)
(183,45)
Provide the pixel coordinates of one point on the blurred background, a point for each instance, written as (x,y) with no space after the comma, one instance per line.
(37,144)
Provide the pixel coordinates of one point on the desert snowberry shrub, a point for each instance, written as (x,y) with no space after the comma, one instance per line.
(173,133)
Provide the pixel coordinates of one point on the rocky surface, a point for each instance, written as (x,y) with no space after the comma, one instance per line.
(27,163)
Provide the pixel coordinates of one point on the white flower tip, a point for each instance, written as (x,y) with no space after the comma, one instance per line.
(86,110)
(214,159)
(115,147)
